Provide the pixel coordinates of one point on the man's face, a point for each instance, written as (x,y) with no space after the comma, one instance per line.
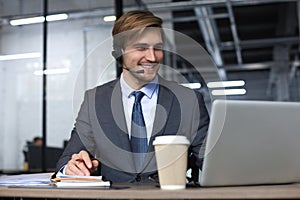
(143,54)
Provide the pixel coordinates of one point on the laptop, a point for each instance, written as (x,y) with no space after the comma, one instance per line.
(252,143)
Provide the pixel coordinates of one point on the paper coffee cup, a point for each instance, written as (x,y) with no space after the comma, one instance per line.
(171,159)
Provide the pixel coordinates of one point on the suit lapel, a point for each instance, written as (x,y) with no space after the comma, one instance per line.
(164,104)
(110,113)
(163,108)
(119,116)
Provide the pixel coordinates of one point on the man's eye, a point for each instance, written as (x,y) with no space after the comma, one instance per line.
(140,48)
(158,47)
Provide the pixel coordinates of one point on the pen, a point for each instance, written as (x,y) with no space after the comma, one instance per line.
(80,159)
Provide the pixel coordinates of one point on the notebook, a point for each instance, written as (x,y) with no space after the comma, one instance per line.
(252,143)
(66,181)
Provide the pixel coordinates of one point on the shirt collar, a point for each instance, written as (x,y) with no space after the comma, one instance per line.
(148,89)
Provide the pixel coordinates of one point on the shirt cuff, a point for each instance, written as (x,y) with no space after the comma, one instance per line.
(62,171)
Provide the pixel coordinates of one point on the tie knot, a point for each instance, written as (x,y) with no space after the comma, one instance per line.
(138,95)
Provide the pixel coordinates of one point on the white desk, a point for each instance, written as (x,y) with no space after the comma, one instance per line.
(130,191)
(138,191)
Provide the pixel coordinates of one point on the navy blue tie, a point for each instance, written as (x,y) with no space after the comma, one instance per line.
(139,142)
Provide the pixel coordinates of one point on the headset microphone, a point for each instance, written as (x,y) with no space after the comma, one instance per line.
(141,71)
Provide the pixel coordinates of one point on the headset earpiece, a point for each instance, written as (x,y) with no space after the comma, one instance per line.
(117,54)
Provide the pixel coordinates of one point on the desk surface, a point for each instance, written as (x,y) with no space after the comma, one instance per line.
(130,191)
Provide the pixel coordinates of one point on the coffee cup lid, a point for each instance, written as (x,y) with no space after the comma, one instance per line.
(171,139)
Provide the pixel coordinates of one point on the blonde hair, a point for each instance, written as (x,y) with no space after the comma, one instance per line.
(130,25)
(136,19)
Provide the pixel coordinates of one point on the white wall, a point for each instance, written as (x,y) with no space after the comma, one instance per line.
(1,112)
(14,85)
(21,90)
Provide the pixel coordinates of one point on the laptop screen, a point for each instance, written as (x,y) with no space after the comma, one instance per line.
(252,142)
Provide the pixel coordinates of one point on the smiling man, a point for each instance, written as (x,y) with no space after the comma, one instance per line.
(119,120)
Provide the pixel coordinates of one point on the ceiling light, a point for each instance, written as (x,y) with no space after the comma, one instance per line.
(31,20)
(20,56)
(51,18)
(223,84)
(228,92)
(40,19)
(191,85)
(109,18)
(52,71)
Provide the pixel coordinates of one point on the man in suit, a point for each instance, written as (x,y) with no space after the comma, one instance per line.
(103,136)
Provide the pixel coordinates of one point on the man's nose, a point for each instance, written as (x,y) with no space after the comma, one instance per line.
(150,54)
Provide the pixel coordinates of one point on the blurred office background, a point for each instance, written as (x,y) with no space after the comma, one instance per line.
(253,46)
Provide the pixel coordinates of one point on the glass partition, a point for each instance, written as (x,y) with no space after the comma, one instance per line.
(79,57)
(69,44)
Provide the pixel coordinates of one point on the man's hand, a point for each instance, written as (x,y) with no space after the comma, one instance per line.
(81,164)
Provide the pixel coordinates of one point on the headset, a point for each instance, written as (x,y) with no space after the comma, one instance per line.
(118,55)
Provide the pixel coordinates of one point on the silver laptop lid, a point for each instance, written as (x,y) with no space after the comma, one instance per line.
(252,142)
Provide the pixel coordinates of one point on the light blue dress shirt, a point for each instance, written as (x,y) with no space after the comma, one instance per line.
(148,102)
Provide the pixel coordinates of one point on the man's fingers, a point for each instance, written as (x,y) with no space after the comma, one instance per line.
(83,168)
(95,163)
(80,164)
(86,159)
(72,169)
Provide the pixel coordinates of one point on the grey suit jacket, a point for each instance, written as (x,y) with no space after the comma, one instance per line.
(101,129)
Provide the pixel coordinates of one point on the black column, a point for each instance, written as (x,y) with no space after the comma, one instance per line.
(118,13)
(44,103)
